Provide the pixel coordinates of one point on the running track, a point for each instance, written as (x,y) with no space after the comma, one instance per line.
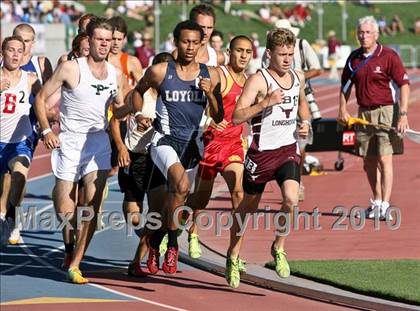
(31,280)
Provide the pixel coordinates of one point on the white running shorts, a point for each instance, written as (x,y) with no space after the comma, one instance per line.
(81,154)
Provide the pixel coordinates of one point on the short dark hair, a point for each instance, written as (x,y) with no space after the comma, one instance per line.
(11,38)
(99,22)
(187,25)
(119,24)
(217,33)
(203,9)
(163,57)
(236,38)
(84,17)
(75,45)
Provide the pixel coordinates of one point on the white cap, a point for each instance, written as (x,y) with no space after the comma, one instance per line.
(284,23)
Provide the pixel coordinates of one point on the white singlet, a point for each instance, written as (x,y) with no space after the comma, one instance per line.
(15,125)
(84,109)
(275,126)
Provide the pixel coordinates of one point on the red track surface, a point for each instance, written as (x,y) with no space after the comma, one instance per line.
(203,291)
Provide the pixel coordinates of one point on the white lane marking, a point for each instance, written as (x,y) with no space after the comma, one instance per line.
(136,298)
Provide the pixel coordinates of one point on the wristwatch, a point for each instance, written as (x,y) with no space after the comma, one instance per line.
(402,113)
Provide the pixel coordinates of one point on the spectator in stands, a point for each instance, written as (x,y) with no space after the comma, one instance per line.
(383,28)
(333,46)
(417,26)
(264,13)
(146,52)
(216,40)
(396,25)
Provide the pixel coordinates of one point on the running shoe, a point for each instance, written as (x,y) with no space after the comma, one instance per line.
(68,257)
(241,265)
(14,237)
(170,262)
(153,260)
(375,207)
(194,249)
(232,274)
(163,245)
(282,266)
(74,275)
(134,269)
(385,210)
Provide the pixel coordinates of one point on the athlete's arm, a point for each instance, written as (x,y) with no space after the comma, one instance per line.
(46,68)
(212,90)
(59,77)
(255,98)
(152,78)
(119,108)
(123,155)
(135,68)
(304,112)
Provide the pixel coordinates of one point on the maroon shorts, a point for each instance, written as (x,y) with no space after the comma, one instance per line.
(218,154)
(263,166)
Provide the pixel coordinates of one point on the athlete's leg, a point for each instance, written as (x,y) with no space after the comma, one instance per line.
(199,199)
(233,174)
(289,191)
(94,186)
(5,189)
(178,184)
(64,200)
(248,206)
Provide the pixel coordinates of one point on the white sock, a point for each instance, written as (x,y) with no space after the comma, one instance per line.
(384,205)
(376,203)
(3,216)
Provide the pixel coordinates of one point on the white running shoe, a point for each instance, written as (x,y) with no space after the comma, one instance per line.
(14,237)
(375,207)
(384,209)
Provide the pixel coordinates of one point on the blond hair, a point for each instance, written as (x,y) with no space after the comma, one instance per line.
(280,37)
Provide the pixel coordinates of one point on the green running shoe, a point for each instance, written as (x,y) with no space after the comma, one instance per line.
(232,275)
(242,265)
(282,266)
(163,245)
(194,249)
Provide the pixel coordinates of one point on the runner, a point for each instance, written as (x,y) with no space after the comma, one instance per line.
(41,66)
(16,131)
(132,72)
(135,169)
(271,100)
(185,87)
(204,15)
(128,64)
(224,152)
(88,85)
(79,48)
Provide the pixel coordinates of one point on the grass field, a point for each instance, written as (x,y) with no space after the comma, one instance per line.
(397,280)
(171,14)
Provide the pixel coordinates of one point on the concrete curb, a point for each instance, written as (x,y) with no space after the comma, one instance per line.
(262,277)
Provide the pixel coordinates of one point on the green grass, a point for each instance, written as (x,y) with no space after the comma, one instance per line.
(171,15)
(397,280)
